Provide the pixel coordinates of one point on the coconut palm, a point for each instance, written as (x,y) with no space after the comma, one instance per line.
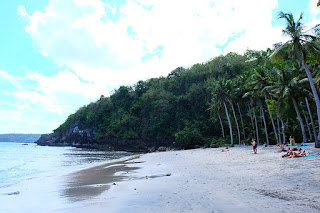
(301,45)
(259,83)
(220,95)
(286,86)
(216,110)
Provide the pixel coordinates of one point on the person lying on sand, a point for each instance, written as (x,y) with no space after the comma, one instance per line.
(302,152)
(298,154)
(225,150)
(291,154)
(289,151)
(288,154)
(281,149)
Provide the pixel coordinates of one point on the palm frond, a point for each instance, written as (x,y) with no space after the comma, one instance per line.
(279,52)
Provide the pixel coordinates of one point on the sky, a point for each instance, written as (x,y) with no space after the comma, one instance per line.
(59,55)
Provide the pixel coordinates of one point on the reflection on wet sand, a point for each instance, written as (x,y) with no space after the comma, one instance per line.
(91,182)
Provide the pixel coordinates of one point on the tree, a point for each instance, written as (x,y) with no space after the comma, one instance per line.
(219,95)
(298,47)
(259,84)
(287,86)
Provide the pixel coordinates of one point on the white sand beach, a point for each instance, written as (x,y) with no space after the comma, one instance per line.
(208,180)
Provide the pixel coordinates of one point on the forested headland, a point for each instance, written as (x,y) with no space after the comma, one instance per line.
(268,95)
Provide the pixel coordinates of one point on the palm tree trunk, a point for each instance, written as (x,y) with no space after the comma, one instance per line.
(303,131)
(308,127)
(256,124)
(311,119)
(316,99)
(229,122)
(272,121)
(265,125)
(235,118)
(261,121)
(222,129)
(254,133)
(278,123)
(283,131)
(244,132)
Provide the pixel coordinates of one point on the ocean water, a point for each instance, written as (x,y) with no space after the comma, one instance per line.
(32,176)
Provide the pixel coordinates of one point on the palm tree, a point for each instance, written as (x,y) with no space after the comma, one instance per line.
(259,84)
(286,86)
(311,119)
(299,46)
(220,95)
(215,109)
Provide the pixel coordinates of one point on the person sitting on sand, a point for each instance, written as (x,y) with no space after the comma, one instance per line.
(254,145)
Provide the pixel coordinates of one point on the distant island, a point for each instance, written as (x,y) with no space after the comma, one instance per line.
(23,138)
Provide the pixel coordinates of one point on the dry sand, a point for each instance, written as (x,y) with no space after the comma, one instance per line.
(202,180)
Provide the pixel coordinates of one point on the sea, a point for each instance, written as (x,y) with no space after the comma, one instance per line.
(32,177)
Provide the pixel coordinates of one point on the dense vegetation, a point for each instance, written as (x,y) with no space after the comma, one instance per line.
(231,98)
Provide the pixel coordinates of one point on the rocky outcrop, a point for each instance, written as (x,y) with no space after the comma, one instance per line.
(74,137)
(85,138)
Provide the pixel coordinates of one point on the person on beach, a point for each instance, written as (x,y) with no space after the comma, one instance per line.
(281,149)
(302,152)
(298,154)
(289,153)
(225,150)
(254,145)
(292,141)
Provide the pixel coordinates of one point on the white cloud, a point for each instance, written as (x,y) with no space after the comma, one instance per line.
(166,34)
(68,82)
(43,106)
(23,12)
(314,10)
(314,14)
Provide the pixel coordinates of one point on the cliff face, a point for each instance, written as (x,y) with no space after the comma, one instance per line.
(85,138)
(73,137)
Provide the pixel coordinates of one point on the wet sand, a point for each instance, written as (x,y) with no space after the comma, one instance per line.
(201,180)
(91,182)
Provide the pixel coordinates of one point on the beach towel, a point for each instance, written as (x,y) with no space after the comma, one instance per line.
(303,145)
(310,156)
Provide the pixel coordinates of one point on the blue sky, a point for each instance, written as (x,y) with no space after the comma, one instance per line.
(58,55)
